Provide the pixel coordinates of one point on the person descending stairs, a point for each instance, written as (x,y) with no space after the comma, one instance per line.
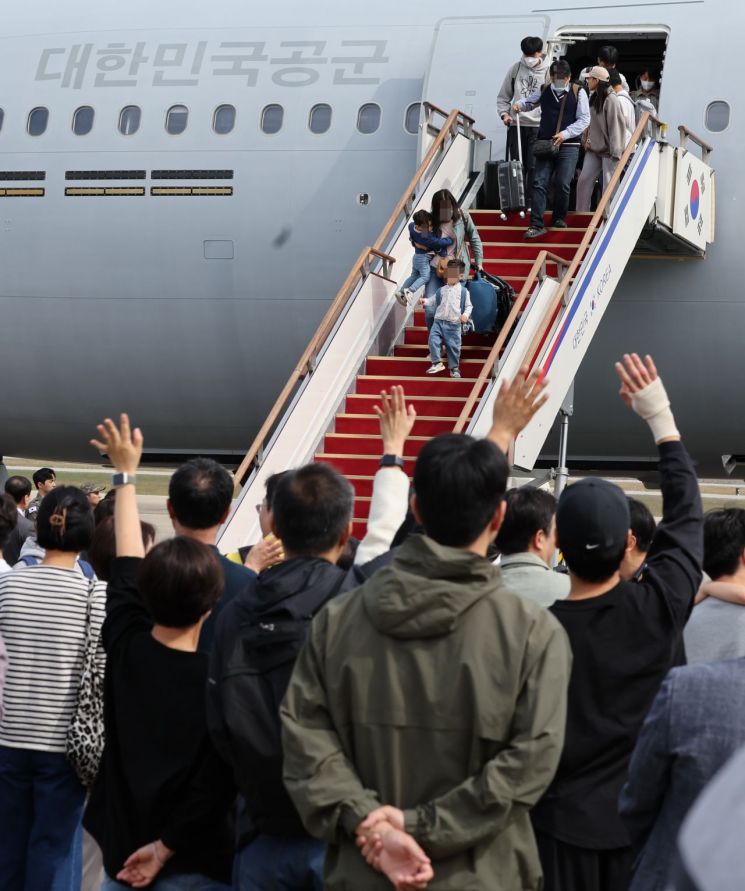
(354,445)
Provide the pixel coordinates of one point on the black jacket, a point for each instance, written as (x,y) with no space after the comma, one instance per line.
(257,639)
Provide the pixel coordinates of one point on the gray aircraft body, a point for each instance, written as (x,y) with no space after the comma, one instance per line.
(185,186)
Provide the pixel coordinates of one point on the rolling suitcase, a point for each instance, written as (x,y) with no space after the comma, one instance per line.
(492,300)
(511,183)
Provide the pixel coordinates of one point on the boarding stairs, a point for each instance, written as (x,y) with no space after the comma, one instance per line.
(563,281)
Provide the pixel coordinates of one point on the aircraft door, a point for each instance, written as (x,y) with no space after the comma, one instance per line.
(470,58)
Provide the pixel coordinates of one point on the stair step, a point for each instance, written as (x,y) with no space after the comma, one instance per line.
(359,465)
(418,334)
(359,527)
(368,425)
(394,367)
(485,217)
(425,385)
(420,351)
(505,267)
(526,250)
(514,234)
(366,444)
(428,406)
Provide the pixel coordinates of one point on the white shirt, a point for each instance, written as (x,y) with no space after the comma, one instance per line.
(449,308)
(629,112)
(4,567)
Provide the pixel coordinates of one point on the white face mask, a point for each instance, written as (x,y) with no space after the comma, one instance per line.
(647,85)
(532,62)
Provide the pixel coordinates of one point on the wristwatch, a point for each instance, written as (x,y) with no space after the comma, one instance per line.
(392,461)
(123,479)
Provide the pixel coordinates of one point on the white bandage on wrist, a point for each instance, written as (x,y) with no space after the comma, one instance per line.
(652,404)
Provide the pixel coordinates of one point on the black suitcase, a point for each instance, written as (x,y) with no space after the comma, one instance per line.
(511,182)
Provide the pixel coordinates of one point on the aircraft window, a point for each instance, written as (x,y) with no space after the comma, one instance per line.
(129,120)
(320,118)
(223,120)
(411,121)
(176,119)
(368,118)
(2,116)
(271,119)
(82,120)
(717,116)
(37,121)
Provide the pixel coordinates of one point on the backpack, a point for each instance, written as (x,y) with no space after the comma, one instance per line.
(83,565)
(246,688)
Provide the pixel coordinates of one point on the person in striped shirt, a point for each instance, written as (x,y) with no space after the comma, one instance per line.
(43,623)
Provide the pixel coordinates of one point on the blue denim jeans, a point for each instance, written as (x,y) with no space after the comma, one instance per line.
(177,882)
(561,167)
(450,334)
(420,272)
(272,863)
(41,802)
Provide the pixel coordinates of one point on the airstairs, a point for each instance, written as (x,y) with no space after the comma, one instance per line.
(662,204)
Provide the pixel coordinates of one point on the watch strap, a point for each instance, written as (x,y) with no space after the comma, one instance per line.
(392,461)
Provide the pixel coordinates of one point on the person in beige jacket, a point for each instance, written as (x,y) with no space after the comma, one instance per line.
(606,137)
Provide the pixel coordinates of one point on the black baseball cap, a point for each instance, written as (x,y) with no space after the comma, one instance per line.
(593,515)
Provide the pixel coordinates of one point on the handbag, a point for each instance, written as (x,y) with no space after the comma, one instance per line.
(85,734)
(547,148)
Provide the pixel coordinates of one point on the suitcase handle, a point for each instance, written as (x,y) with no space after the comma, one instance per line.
(519,143)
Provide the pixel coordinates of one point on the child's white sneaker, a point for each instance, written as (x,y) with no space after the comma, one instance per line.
(401,297)
(435,368)
(408,297)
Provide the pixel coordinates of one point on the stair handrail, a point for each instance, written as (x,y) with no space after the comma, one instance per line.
(537,273)
(597,218)
(686,134)
(455,122)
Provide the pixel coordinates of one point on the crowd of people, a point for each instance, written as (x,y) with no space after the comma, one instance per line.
(436,706)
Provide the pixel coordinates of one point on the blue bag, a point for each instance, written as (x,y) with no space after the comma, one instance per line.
(492,300)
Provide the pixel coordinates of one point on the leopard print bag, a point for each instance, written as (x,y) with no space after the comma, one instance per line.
(85,735)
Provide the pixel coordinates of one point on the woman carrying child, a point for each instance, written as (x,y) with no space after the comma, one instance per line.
(449,221)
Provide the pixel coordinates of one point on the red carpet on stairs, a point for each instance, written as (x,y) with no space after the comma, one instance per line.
(355,445)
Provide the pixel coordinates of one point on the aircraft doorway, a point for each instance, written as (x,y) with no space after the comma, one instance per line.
(639,50)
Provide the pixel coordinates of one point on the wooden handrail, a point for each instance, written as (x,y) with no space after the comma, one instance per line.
(361,267)
(686,134)
(550,315)
(537,271)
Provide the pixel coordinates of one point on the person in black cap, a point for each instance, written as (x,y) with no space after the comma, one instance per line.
(625,637)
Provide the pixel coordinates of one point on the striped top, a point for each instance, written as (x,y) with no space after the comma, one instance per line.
(42,621)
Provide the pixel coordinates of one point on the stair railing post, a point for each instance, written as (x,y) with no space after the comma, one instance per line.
(562,472)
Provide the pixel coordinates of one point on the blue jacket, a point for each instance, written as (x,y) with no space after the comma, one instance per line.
(695,724)
(431,242)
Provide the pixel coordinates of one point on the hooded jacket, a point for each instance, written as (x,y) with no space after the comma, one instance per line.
(434,689)
(520,82)
(607,135)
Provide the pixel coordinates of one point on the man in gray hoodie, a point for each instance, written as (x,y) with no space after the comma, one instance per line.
(522,79)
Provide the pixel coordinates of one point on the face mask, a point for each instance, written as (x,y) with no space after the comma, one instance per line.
(531,62)
(647,85)
(559,86)
(446,214)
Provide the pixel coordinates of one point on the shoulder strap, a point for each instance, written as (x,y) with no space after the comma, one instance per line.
(515,69)
(575,90)
(561,114)
(463,295)
(86,569)
(29,560)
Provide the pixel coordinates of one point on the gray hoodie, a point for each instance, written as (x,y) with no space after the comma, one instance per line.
(520,82)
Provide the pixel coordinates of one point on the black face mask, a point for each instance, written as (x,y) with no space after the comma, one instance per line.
(446,214)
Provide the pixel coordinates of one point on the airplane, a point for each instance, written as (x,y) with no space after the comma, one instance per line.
(183,188)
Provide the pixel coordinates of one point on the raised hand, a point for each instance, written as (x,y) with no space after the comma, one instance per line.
(122,445)
(634,375)
(265,553)
(518,400)
(396,420)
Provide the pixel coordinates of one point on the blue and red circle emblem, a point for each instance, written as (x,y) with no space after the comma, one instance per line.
(695,198)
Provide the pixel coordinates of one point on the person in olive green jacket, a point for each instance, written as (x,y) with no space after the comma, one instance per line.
(426,711)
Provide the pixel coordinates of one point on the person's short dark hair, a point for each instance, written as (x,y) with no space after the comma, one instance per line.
(608,56)
(459,483)
(105,507)
(455,263)
(312,507)
(592,527)
(180,581)
(18,487)
(422,218)
(200,492)
(43,475)
(271,487)
(528,511)
(102,549)
(724,541)
(531,45)
(653,72)
(8,518)
(65,520)
(642,524)
(562,69)
(614,77)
